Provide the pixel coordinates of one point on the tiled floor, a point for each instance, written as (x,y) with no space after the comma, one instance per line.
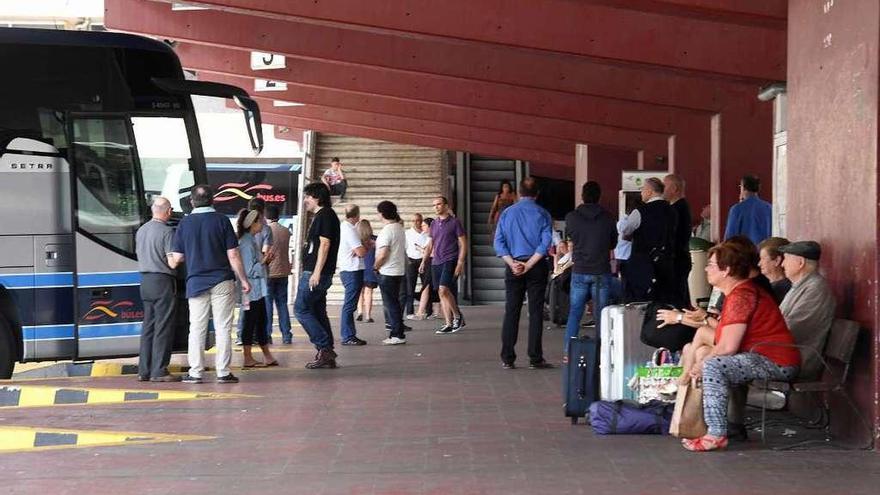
(437,415)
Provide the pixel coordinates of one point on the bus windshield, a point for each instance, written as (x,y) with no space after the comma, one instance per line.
(164,152)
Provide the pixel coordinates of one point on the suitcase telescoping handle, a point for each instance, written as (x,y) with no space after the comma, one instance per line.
(582,389)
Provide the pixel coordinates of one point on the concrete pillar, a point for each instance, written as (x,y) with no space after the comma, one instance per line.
(833,171)
(581,165)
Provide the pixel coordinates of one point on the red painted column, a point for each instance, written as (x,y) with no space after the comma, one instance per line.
(833,171)
(745,147)
(606,165)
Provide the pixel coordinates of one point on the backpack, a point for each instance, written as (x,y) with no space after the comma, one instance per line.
(624,417)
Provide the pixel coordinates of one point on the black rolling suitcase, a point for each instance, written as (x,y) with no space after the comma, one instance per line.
(581,377)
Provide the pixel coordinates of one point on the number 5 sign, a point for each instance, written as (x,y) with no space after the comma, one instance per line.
(263,61)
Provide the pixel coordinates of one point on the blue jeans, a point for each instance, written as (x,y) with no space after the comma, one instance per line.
(583,288)
(353,283)
(310,309)
(278,297)
(390,287)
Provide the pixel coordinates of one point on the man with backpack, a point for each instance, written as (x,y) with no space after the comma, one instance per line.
(593,235)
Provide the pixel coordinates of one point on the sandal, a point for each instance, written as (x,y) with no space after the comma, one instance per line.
(255,364)
(274,362)
(704,443)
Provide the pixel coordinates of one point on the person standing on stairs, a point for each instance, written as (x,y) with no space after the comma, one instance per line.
(444,256)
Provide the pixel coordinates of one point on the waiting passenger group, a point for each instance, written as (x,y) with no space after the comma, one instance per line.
(772,293)
(248,266)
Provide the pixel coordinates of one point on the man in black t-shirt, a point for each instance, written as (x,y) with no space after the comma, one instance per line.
(319,263)
(673,192)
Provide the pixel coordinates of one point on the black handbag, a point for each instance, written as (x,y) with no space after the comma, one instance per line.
(673,337)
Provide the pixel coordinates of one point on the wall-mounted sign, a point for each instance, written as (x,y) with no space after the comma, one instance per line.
(264,61)
(236,184)
(633,180)
(269,85)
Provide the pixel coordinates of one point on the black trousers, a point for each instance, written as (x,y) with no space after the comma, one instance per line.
(682,270)
(339,189)
(412,276)
(533,283)
(159,293)
(390,288)
(255,324)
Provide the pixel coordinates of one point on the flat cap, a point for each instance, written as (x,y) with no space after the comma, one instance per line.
(810,250)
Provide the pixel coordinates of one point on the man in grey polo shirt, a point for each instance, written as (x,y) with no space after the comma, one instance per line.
(159,292)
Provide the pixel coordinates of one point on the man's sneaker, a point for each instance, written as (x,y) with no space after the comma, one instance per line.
(406,328)
(457,323)
(230,378)
(354,341)
(444,330)
(187,378)
(393,341)
(508,366)
(540,365)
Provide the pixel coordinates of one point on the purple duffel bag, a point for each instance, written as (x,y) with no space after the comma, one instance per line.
(624,417)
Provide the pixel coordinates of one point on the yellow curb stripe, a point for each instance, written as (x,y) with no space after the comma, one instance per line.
(36,396)
(106,369)
(29,439)
(43,396)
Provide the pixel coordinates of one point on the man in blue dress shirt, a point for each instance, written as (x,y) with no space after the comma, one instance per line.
(522,239)
(752,216)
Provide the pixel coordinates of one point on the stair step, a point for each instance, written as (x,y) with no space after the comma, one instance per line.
(487,296)
(488,284)
(492,175)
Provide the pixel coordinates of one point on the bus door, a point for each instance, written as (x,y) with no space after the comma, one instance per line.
(110,206)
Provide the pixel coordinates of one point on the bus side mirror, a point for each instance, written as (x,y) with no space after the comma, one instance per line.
(252,120)
(251,109)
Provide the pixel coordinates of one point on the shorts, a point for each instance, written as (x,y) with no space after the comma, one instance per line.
(443,275)
(371,284)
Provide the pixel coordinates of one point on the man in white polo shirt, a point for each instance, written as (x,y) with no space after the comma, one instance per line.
(350,262)
(415,249)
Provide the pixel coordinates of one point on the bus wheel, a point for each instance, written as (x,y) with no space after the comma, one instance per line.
(7,350)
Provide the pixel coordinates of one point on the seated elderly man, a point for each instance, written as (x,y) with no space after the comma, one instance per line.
(808,308)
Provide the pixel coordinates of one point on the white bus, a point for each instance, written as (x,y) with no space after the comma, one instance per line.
(76,182)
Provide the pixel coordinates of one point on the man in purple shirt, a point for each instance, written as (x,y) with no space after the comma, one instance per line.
(447,247)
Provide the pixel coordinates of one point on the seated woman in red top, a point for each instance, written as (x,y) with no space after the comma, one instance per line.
(749,318)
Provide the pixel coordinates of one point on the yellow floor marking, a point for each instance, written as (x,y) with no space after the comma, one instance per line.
(30,439)
(18,396)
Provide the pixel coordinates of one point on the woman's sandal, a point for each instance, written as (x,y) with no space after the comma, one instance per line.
(704,443)
(271,363)
(255,364)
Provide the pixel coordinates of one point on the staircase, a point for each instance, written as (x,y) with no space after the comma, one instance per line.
(487,270)
(409,176)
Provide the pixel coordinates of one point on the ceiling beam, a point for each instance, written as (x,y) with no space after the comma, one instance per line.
(657,34)
(528,126)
